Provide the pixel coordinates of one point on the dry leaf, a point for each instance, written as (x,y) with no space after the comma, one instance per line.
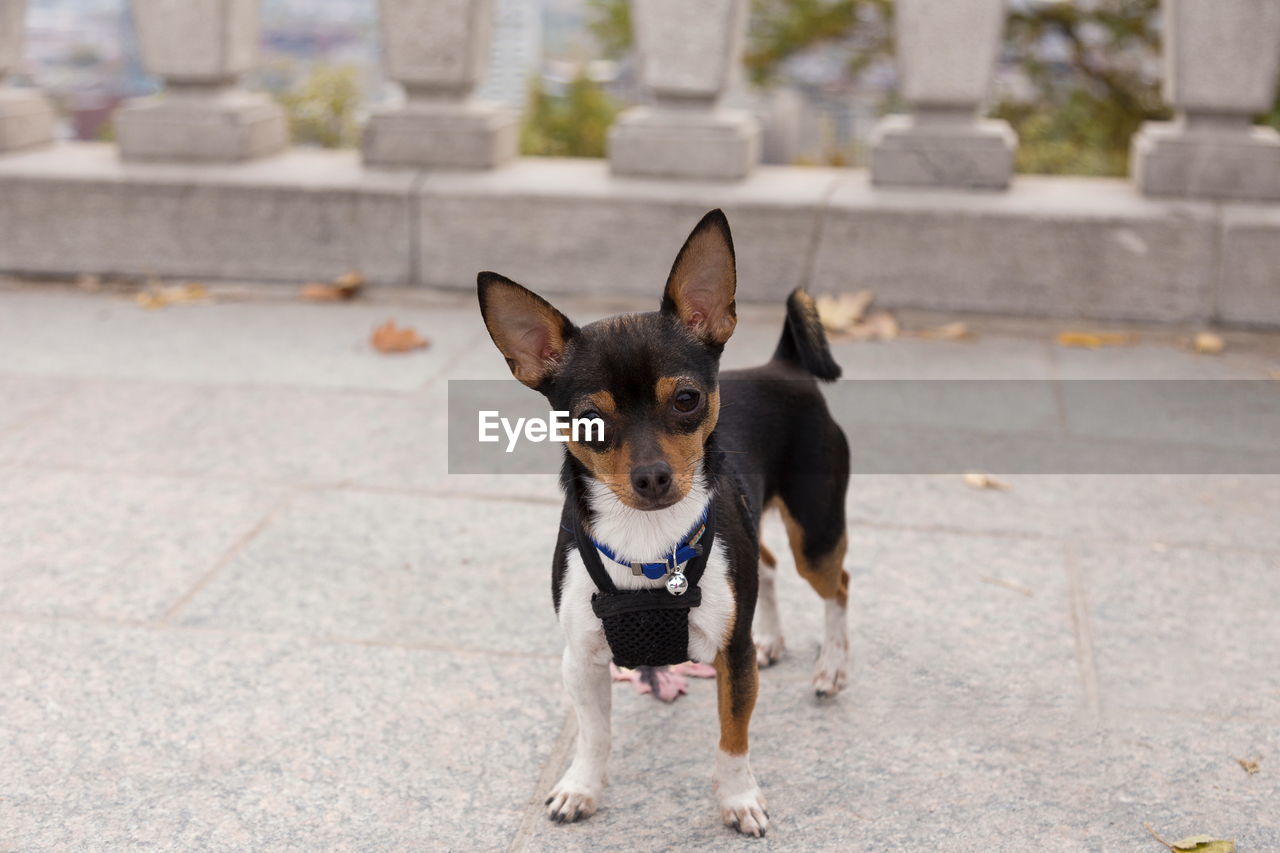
(984,481)
(345,286)
(1013,585)
(1205,844)
(154,296)
(947,332)
(1207,343)
(389,338)
(1249,765)
(1197,843)
(839,313)
(1096,340)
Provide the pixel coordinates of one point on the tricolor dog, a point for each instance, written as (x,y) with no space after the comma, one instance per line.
(658,558)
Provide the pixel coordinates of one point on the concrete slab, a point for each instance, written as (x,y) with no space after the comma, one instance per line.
(1250,290)
(127,739)
(305,214)
(1151,511)
(569,226)
(254,339)
(395,568)
(115,547)
(1046,247)
(1184,630)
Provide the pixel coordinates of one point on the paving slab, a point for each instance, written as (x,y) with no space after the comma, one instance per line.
(115,546)
(1154,511)
(186,740)
(397,568)
(259,338)
(1185,630)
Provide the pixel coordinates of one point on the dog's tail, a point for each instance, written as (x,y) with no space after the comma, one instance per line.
(803,343)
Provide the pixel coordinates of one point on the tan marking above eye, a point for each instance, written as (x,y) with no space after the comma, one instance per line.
(604,402)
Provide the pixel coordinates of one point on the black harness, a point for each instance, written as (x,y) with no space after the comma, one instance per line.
(645,627)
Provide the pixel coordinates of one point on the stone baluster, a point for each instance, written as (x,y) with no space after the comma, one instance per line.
(1221,58)
(946,55)
(439,51)
(26,116)
(199,48)
(689,53)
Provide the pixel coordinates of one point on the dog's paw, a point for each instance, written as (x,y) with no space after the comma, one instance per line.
(569,802)
(831,673)
(741,803)
(769,650)
(746,813)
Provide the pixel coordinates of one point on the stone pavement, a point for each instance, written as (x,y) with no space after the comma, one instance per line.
(244,607)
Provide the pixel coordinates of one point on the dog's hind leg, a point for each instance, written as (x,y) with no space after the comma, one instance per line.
(577,794)
(819,540)
(742,804)
(767,628)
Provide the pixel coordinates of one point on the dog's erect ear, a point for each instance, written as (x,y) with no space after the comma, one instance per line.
(703,281)
(531,334)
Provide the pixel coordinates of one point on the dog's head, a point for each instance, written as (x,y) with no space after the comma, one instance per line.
(650,377)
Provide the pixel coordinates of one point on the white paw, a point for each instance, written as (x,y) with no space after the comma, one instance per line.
(570,801)
(745,812)
(831,673)
(769,649)
(741,803)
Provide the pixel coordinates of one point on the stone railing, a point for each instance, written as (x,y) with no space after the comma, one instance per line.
(203,183)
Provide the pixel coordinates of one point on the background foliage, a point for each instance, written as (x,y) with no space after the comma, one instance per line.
(1082,111)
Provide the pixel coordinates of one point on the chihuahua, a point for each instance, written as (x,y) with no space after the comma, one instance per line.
(662,512)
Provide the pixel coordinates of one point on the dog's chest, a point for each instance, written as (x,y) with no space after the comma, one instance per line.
(709,624)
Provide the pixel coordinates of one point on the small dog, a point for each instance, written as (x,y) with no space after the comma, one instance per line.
(688,462)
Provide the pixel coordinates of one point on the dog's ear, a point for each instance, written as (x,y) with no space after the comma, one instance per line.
(530,333)
(703,281)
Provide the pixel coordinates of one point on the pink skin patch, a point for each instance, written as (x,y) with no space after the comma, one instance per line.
(665,682)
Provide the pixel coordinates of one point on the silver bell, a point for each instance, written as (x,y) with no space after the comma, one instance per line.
(677,583)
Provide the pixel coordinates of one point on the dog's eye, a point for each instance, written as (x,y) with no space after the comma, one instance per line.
(686,401)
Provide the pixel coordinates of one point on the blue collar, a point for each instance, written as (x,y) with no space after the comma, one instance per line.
(682,553)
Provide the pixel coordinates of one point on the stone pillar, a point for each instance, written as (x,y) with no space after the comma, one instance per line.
(439,50)
(26,116)
(946,54)
(1221,58)
(199,48)
(689,53)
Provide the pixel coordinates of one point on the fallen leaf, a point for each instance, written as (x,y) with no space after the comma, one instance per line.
(1207,343)
(1249,765)
(984,481)
(1016,587)
(345,286)
(390,338)
(1096,340)
(1205,844)
(1197,843)
(839,313)
(155,296)
(946,332)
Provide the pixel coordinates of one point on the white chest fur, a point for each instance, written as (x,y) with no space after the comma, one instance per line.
(646,536)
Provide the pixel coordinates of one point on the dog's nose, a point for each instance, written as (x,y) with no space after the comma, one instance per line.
(651,481)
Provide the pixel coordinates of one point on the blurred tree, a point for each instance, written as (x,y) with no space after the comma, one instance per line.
(575,125)
(609,22)
(322,109)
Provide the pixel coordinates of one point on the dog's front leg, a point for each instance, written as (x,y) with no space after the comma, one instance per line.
(742,804)
(586,679)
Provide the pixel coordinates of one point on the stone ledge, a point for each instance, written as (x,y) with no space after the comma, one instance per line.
(1082,247)
(304,214)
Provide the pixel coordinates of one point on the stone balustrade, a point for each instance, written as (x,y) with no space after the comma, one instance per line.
(203,183)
